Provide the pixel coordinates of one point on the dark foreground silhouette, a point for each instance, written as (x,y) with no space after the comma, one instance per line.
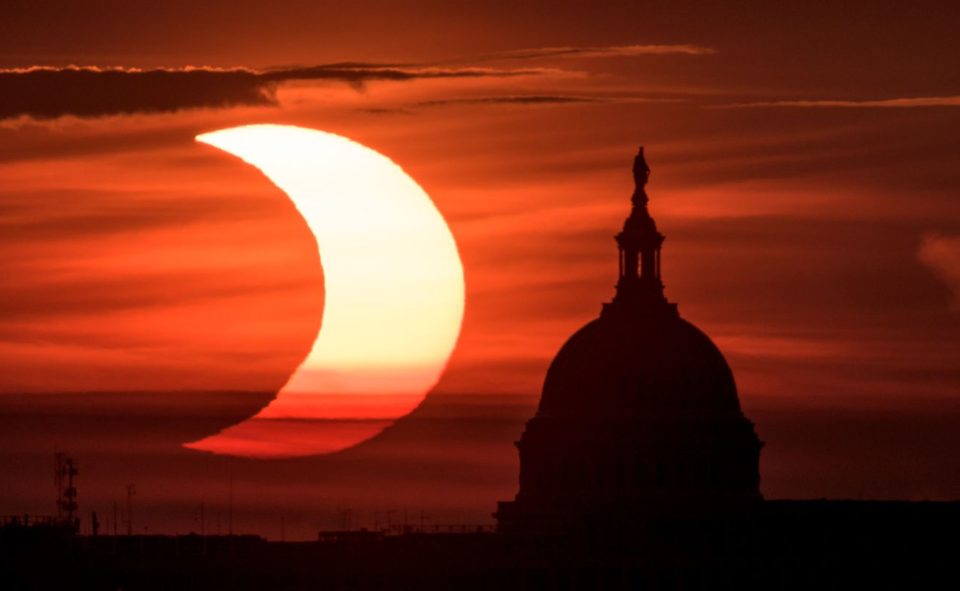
(777,545)
(639,470)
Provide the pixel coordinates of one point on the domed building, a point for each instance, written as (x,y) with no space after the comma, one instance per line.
(639,416)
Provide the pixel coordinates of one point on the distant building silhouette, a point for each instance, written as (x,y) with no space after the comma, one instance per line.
(639,415)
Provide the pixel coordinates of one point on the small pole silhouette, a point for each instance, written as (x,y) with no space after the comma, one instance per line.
(113,542)
(203,528)
(230,506)
(131,490)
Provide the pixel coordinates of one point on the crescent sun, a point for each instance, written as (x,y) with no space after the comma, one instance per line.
(394,292)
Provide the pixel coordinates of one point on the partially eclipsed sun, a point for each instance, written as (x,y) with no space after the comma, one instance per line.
(394,292)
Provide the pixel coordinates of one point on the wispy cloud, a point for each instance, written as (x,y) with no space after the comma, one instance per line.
(894,103)
(592,52)
(48,93)
(941,253)
(511,100)
(535,100)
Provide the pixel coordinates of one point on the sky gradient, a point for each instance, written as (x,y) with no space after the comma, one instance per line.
(804,172)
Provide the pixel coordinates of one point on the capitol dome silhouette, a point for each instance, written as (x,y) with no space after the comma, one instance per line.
(639,416)
(638,366)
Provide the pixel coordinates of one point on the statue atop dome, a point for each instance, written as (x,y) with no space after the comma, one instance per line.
(639,284)
(641,172)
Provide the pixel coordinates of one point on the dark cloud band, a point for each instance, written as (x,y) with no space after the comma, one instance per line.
(48,93)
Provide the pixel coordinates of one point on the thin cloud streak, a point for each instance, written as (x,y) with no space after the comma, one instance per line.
(510,100)
(538,100)
(610,51)
(894,103)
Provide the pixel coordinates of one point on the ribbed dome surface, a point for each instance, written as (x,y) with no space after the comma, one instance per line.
(638,366)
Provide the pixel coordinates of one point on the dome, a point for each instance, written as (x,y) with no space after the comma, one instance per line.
(647,365)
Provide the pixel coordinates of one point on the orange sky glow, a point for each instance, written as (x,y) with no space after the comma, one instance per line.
(808,197)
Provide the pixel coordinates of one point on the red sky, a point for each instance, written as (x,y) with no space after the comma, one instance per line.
(804,172)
